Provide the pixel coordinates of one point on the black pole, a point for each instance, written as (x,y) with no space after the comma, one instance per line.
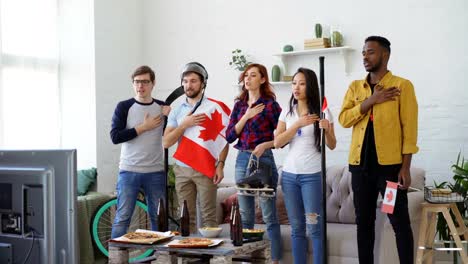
(169,100)
(324,165)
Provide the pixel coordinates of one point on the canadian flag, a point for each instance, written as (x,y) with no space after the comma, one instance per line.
(389,198)
(326,110)
(325,104)
(201,145)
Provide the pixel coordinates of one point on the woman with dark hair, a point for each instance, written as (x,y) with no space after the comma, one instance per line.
(252,122)
(301,177)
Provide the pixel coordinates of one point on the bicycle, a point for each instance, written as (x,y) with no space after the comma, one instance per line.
(101,226)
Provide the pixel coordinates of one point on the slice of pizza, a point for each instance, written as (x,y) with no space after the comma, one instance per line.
(196,241)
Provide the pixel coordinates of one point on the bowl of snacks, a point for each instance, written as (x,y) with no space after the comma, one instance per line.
(252,233)
(210,231)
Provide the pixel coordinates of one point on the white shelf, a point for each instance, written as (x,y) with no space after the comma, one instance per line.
(285,56)
(315,51)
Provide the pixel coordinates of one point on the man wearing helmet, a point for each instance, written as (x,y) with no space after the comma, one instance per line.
(190,179)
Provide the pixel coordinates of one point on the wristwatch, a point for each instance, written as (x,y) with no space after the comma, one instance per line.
(218,162)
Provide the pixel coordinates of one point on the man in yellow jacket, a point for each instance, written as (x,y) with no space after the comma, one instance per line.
(383,111)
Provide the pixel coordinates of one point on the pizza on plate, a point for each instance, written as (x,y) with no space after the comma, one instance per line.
(141,235)
(142,238)
(196,241)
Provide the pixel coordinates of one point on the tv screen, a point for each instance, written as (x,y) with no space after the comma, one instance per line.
(37,206)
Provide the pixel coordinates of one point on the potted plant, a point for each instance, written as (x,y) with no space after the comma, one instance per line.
(172,195)
(239,60)
(459,186)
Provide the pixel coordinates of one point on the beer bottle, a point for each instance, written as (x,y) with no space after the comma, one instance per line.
(185,220)
(162,216)
(237,238)
(233,211)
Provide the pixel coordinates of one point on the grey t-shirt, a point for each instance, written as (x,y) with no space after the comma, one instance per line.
(140,153)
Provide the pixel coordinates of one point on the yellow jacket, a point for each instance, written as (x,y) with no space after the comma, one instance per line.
(395,122)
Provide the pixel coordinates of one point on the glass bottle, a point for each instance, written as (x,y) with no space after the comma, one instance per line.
(233,211)
(185,220)
(162,216)
(237,238)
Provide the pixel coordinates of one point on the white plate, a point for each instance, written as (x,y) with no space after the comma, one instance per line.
(164,236)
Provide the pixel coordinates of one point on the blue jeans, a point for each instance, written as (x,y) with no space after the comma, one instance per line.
(268,204)
(128,185)
(302,196)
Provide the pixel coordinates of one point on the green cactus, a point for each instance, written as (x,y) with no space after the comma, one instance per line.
(318,30)
(288,48)
(275,73)
(336,39)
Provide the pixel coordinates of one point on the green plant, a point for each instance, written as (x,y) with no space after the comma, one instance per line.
(173,203)
(239,60)
(318,30)
(288,48)
(460,186)
(336,39)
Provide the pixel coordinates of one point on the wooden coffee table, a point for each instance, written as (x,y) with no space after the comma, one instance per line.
(258,252)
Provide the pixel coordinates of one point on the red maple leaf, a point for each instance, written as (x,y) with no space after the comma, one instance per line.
(212,126)
(389,196)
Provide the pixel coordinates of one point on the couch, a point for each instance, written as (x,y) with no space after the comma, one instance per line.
(86,206)
(341,228)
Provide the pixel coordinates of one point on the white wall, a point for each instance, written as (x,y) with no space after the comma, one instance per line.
(118,37)
(78,100)
(428,40)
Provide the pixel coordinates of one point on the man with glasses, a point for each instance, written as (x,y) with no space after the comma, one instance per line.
(138,124)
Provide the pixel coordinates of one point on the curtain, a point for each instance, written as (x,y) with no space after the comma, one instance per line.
(29,75)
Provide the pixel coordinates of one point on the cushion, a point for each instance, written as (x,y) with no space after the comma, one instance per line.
(86,178)
(280,207)
(227,205)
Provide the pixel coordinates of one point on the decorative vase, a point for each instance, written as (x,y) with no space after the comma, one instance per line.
(336,37)
(275,73)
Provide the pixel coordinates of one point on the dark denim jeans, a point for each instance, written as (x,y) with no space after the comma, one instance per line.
(366,187)
(128,186)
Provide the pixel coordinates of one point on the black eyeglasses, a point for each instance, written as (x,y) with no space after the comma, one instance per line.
(141,82)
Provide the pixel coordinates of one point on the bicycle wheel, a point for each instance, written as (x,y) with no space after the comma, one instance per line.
(101,227)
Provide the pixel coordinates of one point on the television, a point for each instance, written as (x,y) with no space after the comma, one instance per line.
(38,206)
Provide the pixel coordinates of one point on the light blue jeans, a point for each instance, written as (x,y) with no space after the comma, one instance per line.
(128,185)
(302,196)
(268,204)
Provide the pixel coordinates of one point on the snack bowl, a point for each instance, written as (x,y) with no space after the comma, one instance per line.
(252,233)
(210,231)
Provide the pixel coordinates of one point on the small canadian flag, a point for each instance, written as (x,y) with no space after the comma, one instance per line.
(390,197)
(326,109)
(325,104)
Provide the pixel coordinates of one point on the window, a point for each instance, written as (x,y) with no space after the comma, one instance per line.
(29,93)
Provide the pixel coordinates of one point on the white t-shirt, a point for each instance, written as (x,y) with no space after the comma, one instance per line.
(303,156)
